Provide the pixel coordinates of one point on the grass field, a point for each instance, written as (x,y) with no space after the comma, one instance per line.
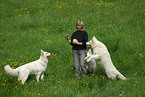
(27,26)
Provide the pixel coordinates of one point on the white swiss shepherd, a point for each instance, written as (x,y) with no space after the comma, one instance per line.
(101,54)
(37,67)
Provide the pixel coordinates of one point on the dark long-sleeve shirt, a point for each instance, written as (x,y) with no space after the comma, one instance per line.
(81,36)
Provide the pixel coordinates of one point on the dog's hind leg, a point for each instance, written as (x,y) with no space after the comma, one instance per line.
(19,77)
(24,79)
(22,76)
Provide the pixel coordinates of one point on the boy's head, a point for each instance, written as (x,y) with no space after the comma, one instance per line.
(79,25)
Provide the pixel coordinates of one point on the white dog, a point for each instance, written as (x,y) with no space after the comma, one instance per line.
(91,65)
(37,67)
(101,54)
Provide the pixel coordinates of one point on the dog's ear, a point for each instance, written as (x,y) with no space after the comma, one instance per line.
(42,52)
(94,39)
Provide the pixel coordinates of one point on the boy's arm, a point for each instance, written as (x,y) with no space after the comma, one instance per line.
(67,37)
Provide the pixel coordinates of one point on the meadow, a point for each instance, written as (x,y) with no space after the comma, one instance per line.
(27,26)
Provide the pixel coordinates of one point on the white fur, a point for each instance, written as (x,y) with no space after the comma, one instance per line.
(37,67)
(91,65)
(101,54)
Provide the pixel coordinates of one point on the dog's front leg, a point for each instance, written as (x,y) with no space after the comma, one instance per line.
(96,56)
(42,76)
(87,57)
(37,76)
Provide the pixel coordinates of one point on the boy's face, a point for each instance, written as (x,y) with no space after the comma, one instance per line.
(79,26)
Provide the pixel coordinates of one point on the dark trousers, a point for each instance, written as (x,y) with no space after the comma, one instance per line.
(80,66)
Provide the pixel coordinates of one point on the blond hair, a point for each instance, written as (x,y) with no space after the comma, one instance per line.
(80,23)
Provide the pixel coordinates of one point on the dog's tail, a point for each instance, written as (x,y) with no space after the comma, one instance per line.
(9,70)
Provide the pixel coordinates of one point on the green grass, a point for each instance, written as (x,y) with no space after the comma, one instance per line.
(27,26)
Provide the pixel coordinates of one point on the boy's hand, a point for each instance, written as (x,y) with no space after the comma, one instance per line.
(67,36)
(75,41)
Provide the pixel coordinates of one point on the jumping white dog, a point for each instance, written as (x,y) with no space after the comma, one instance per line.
(37,67)
(101,54)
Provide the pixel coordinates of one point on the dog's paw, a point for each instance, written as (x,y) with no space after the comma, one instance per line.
(88,60)
(125,78)
(37,80)
(41,78)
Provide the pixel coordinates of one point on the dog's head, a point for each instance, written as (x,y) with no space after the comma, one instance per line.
(45,54)
(92,42)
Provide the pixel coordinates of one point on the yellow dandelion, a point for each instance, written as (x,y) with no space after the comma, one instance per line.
(42,4)
(3,84)
(103,78)
(99,27)
(20,14)
(110,25)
